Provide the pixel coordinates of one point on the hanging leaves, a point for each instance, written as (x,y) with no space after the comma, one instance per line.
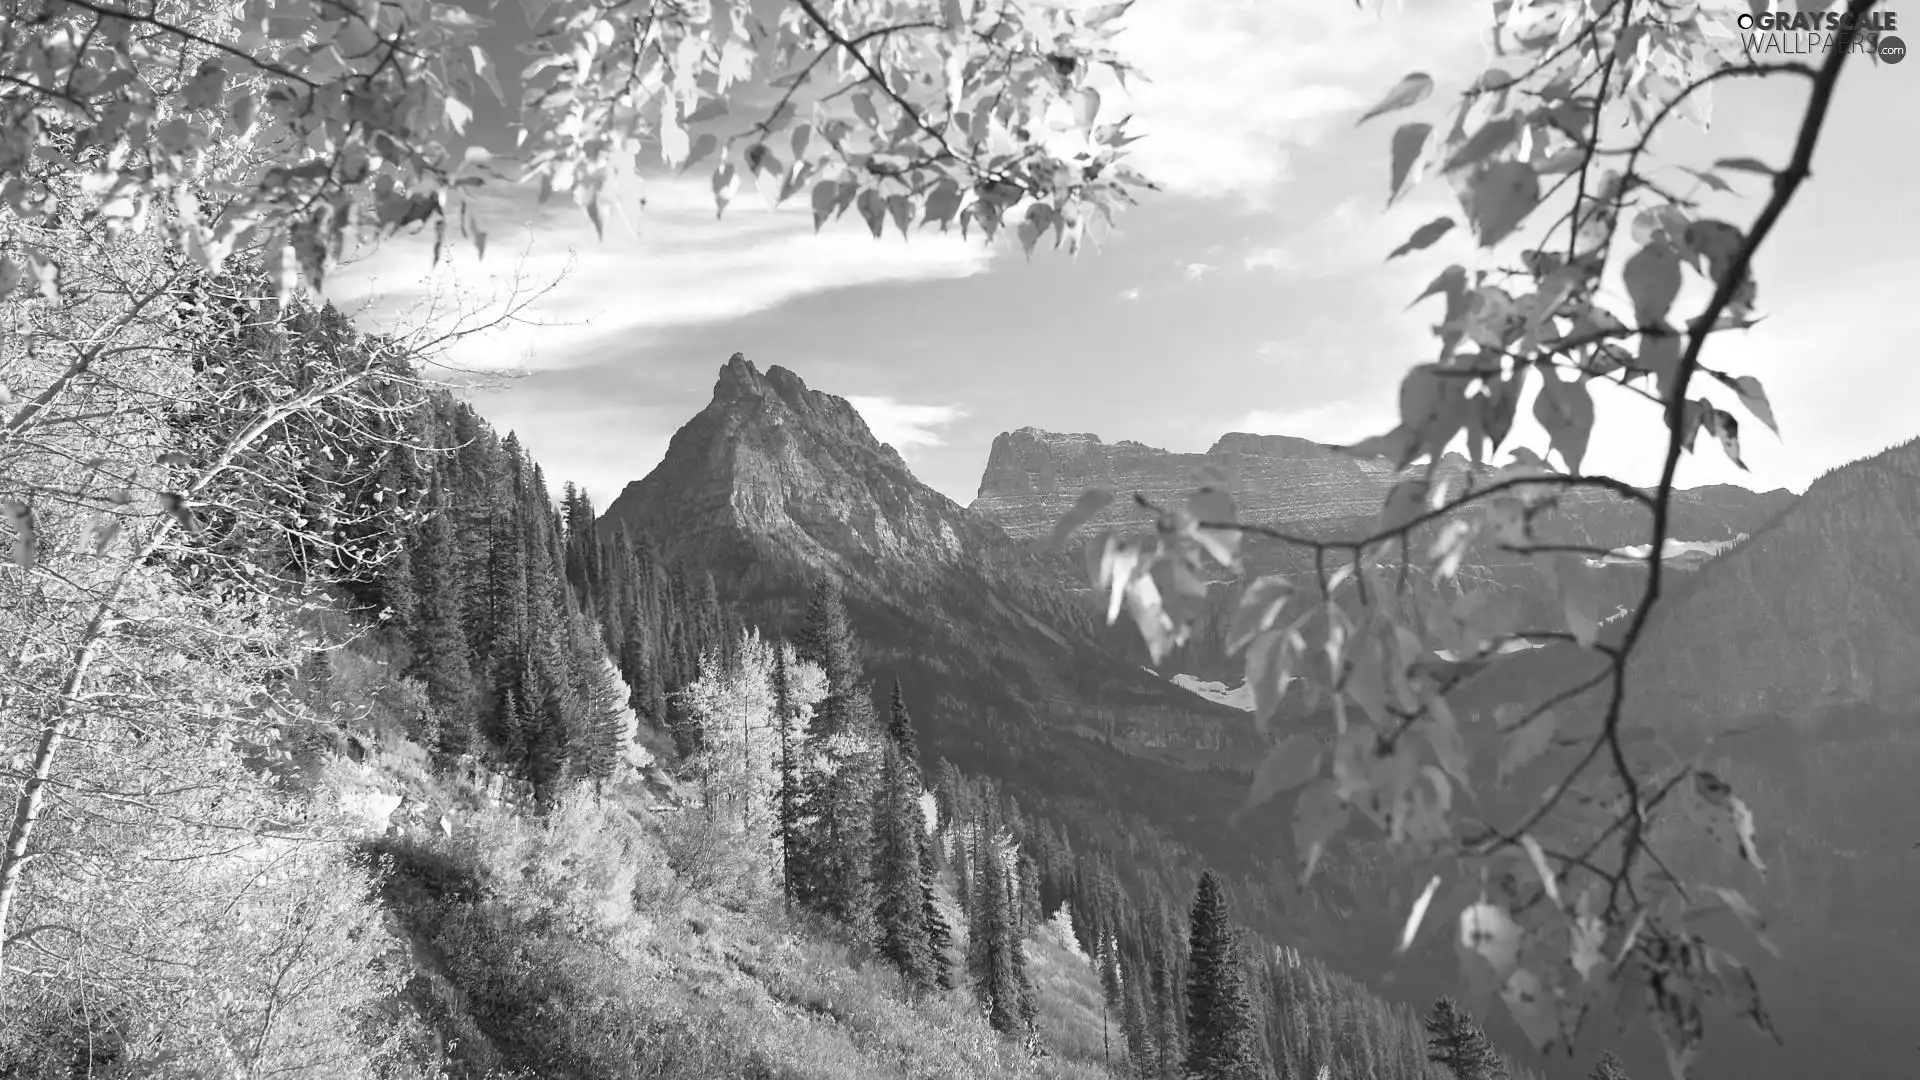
(1259,608)
(1423,237)
(1652,276)
(1565,410)
(1409,91)
(1085,509)
(1408,141)
(1721,814)
(1318,816)
(1521,744)
(1753,396)
(1291,763)
(1499,197)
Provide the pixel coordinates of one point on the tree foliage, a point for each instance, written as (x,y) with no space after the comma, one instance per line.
(1583,248)
(302,126)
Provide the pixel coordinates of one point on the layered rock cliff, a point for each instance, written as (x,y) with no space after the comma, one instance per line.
(1032,477)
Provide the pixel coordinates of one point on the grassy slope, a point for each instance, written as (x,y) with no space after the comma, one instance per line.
(568,947)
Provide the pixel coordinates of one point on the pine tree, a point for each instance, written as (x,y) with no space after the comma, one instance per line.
(441,658)
(994,953)
(939,934)
(837,876)
(1608,1067)
(1220,1020)
(787,811)
(899,914)
(1457,1043)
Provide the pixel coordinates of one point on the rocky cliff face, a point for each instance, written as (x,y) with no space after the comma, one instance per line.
(773,485)
(1033,477)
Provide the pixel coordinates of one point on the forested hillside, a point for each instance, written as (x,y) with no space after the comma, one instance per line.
(497,766)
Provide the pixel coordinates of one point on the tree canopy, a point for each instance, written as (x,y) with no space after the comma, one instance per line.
(152,148)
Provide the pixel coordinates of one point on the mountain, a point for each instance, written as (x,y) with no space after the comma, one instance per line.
(1032,477)
(774,484)
(1796,608)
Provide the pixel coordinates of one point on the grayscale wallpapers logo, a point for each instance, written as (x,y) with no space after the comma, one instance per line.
(1806,33)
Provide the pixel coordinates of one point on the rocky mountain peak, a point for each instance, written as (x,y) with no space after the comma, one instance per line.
(773,479)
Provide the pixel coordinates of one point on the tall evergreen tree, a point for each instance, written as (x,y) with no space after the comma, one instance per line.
(995,960)
(441,657)
(1221,1029)
(837,878)
(899,914)
(1457,1043)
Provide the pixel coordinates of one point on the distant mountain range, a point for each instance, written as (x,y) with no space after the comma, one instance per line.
(1806,609)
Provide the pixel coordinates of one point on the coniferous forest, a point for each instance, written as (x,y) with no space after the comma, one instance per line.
(534,635)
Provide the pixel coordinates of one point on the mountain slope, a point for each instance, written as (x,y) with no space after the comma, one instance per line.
(773,484)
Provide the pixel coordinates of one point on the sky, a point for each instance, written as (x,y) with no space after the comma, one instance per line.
(1251,295)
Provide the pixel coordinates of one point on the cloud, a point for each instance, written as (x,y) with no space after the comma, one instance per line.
(1270,258)
(1337,421)
(1232,95)
(903,425)
(670,265)
(1196,270)
(1130,294)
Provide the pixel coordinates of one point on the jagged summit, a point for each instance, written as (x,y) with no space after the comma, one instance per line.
(772,472)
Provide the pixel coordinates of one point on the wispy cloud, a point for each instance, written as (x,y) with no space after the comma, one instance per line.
(1234,94)
(1130,294)
(669,266)
(1194,271)
(906,426)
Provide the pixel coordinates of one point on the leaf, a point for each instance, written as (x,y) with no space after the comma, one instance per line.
(1488,931)
(1724,816)
(705,144)
(1406,501)
(1213,506)
(1443,734)
(1269,673)
(483,67)
(1492,138)
(1318,816)
(1748,915)
(1520,746)
(1417,915)
(1745,164)
(1753,396)
(1653,280)
(1423,237)
(1726,429)
(1532,1007)
(873,207)
(1295,761)
(1409,91)
(1118,562)
(1259,608)
(1085,509)
(1565,410)
(1589,938)
(1501,196)
(1538,856)
(176,506)
(1408,141)
(1086,106)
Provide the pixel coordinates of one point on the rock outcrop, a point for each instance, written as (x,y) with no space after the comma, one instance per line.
(1033,477)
